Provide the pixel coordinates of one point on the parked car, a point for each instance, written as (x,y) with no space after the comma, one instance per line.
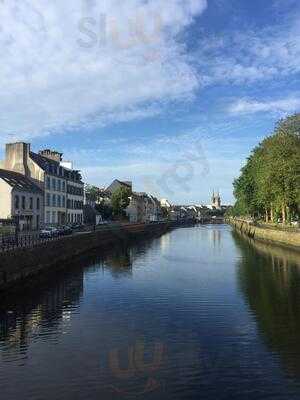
(49,232)
(75,226)
(45,233)
(102,223)
(66,230)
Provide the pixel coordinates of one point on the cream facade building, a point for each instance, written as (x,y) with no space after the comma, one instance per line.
(21,200)
(46,170)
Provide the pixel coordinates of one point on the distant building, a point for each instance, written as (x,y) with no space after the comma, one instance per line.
(144,207)
(216,201)
(165,203)
(116,184)
(136,208)
(21,200)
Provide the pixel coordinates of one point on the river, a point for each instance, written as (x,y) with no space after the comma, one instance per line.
(198,313)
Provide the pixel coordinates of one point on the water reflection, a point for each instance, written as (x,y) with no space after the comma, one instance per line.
(46,312)
(165,318)
(269,277)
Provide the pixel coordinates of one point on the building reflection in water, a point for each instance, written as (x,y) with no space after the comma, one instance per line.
(216,238)
(39,312)
(119,263)
(271,286)
(47,309)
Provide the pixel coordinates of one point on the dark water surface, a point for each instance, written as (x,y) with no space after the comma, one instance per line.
(199,313)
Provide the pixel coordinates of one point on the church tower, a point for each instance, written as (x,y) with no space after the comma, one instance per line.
(216,200)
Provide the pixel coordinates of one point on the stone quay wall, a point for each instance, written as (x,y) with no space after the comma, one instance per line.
(283,237)
(21,264)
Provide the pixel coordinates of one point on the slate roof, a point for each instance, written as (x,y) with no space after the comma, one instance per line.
(49,166)
(43,162)
(19,181)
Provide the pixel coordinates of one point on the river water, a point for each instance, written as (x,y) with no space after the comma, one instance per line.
(199,313)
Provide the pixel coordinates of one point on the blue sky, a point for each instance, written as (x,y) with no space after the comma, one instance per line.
(170,94)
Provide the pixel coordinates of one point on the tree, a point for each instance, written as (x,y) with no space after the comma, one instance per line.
(105,210)
(270,181)
(120,200)
(93,192)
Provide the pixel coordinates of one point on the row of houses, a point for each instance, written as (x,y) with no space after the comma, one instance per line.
(142,207)
(38,189)
(42,189)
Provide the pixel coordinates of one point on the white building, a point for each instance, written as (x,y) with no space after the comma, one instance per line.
(46,170)
(21,200)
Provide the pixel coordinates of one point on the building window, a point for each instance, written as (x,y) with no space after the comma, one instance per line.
(23,202)
(58,201)
(54,217)
(63,201)
(38,203)
(48,217)
(59,185)
(53,184)
(48,200)
(63,186)
(48,183)
(17,202)
(30,203)
(54,200)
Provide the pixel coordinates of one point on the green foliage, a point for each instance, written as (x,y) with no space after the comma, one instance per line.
(165,213)
(92,192)
(120,201)
(269,182)
(105,210)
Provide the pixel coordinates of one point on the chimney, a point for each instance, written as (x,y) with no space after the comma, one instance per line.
(51,155)
(16,157)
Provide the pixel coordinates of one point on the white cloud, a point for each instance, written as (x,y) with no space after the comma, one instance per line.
(183,167)
(67,64)
(249,56)
(283,106)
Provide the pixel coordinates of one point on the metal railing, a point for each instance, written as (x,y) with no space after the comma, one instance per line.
(33,239)
(10,243)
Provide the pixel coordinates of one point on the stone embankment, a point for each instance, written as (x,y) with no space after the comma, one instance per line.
(21,264)
(284,237)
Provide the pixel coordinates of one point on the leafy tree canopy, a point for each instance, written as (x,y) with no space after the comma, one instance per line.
(269,183)
(120,200)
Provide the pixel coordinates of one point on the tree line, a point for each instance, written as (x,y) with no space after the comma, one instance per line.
(269,184)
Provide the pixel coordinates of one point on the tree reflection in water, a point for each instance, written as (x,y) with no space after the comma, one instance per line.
(271,286)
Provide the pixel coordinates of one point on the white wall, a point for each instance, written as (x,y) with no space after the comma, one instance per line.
(5,200)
